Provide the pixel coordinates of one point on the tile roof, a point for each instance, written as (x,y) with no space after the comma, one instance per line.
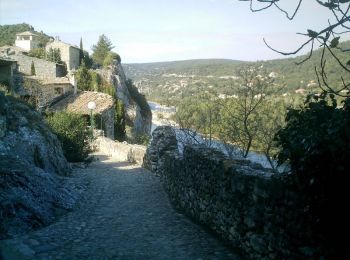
(79,103)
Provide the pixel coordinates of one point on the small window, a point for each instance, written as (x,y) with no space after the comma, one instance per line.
(59,91)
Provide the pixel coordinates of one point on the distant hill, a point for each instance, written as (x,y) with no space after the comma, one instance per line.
(171,80)
(8,34)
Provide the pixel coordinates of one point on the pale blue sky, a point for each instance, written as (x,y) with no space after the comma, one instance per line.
(163,30)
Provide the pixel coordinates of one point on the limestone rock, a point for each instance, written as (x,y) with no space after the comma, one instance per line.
(115,76)
(32,166)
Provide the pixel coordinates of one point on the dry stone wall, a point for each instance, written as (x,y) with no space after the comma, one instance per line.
(123,151)
(44,69)
(247,205)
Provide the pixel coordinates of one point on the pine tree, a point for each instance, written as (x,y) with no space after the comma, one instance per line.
(32,69)
(101,49)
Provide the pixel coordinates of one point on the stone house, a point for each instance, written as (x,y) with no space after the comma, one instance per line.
(44,93)
(104,111)
(7,68)
(27,40)
(70,54)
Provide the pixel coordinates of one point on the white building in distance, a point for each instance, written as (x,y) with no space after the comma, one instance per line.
(27,40)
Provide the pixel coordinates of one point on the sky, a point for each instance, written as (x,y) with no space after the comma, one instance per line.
(166,30)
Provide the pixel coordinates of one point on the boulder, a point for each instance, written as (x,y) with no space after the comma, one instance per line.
(32,171)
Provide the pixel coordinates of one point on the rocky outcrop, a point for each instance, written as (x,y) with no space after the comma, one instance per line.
(140,122)
(32,170)
(248,206)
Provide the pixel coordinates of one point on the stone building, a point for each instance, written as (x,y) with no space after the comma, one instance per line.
(27,40)
(44,69)
(7,68)
(44,93)
(104,112)
(69,54)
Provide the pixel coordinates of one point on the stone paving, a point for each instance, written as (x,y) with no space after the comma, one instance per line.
(124,214)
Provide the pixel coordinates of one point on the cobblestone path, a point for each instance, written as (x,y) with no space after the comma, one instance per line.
(124,214)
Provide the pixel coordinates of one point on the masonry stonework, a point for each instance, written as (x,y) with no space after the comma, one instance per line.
(69,53)
(251,208)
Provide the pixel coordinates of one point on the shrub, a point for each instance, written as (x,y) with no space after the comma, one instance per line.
(111,56)
(316,141)
(119,122)
(71,130)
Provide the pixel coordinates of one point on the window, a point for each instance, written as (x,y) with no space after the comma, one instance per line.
(59,91)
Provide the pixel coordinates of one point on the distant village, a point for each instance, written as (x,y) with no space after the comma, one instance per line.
(53,86)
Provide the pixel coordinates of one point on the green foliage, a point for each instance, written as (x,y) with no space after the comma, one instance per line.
(96,81)
(101,49)
(316,138)
(316,141)
(81,51)
(84,78)
(111,56)
(54,55)
(206,75)
(138,98)
(8,34)
(142,139)
(119,124)
(87,60)
(32,69)
(39,53)
(71,130)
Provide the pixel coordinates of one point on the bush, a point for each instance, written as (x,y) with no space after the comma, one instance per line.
(316,141)
(71,130)
(111,56)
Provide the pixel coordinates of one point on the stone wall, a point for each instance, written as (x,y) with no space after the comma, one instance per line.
(69,53)
(246,205)
(45,94)
(123,151)
(44,69)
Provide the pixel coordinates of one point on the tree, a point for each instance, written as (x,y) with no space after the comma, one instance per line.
(87,60)
(39,53)
(32,69)
(71,130)
(119,125)
(328,38)
(198,117)
(81,51)
(316,138)
(54,55)
(84,79)
(239,122)
(101,49)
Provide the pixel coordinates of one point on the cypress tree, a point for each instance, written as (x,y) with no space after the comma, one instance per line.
(32,69)
(81,53)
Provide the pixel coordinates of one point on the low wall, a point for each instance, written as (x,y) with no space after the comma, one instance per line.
(43,68)
(123,151)
(248,206)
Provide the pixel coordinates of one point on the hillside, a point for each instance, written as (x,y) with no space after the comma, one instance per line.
(8,33)
(167,82)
